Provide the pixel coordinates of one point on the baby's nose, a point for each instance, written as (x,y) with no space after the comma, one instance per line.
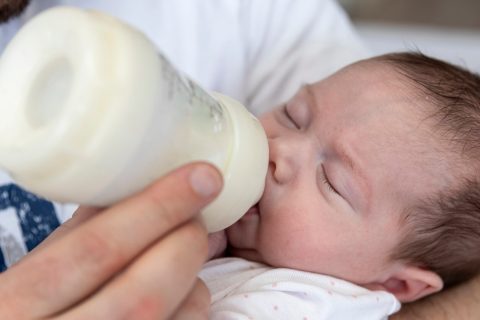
(287,158)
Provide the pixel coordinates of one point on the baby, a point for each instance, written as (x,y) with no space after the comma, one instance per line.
(373,179)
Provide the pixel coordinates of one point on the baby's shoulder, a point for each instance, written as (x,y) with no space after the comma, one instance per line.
(235,283)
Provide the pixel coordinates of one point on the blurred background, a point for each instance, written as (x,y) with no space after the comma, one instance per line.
(447,29)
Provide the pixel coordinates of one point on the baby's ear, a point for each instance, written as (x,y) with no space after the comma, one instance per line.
(410,283)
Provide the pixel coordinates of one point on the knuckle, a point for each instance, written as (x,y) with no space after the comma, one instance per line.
(158,193)
(175,199)
(167,211)
(96,248)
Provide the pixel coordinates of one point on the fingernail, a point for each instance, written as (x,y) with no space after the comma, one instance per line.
(204,181)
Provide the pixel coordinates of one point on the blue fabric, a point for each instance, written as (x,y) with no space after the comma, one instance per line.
(36,216)
(3,265)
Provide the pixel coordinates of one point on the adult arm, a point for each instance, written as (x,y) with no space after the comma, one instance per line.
(460,303)
(135,260)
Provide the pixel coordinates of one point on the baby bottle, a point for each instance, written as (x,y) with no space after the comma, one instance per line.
(92,113)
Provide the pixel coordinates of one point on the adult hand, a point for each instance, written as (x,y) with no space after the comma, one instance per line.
(135,260)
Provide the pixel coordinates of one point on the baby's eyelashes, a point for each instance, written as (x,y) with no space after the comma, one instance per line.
(326,181)
(298,111)
(291,123)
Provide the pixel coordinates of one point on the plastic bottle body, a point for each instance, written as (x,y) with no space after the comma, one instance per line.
(92,114)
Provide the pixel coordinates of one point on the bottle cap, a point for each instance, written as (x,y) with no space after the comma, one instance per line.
(245,171)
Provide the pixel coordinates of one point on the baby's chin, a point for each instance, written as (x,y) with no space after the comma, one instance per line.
(247,254)
(249,218)
(253,211)
(243,233)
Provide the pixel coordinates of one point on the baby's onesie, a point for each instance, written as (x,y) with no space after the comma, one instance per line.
(242,289)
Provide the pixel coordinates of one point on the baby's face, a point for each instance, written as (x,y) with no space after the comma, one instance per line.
(347,156)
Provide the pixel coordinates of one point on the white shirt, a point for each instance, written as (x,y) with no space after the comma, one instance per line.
(243,289)
(259,52)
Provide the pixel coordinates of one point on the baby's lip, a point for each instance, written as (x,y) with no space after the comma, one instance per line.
(253,211)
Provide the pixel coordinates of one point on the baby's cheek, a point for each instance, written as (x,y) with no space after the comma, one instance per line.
(286,250)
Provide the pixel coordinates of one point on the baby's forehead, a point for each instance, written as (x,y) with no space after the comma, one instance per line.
(378,67)
(382,84)
(400,111)
(374,75)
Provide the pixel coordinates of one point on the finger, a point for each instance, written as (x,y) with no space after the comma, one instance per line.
(70,269)
(197,304)
(153,285)
(217,244)
(80,215)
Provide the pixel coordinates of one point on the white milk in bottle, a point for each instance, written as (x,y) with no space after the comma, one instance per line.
(92,113)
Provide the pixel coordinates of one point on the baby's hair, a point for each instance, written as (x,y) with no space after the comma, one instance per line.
(442,233)
(11,9)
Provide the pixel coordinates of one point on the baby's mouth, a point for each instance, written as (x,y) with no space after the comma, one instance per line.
(253,211)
